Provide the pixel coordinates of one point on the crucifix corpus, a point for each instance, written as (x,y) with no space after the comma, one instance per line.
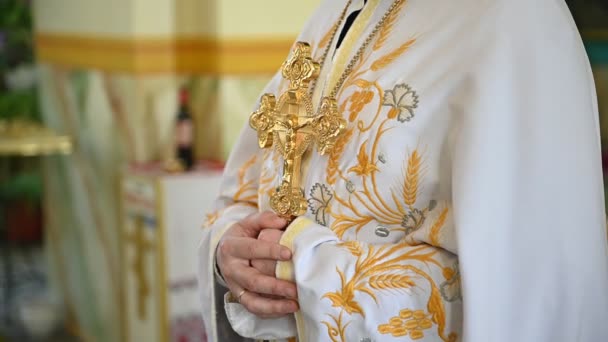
(291,125)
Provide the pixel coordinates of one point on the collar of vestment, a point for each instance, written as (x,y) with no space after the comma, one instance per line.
(333,68)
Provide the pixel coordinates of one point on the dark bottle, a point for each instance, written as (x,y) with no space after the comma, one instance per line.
(184,132)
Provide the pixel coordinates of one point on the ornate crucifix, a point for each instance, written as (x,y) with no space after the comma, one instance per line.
(141,246)
(291,126)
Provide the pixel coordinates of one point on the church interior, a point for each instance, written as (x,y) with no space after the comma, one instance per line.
(116,118)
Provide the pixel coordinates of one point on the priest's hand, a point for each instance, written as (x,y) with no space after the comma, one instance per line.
(268,267)
(237,247)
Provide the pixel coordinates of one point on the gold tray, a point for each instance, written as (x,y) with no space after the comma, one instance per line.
(26,139)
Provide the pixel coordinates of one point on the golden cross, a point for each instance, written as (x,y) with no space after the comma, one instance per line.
(141,245)
(290,125)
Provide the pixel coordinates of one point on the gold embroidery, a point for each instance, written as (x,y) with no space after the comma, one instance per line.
(335,155)
(354,247)
(343,223)
(389,268)
(410,187)
(386,29)
(245,188)
(391,281)
(407,322)
(211,218)
(370,198)
(392,267)
(380,261)
(387,59)
(436,228)
(366,166)
(327,36)
(354,77)
(338,330)
(359,100)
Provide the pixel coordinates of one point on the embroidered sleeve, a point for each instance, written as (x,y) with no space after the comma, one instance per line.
(349,290)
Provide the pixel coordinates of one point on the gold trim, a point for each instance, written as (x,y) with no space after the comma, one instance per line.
(164,55)
(163,314)
(285,269)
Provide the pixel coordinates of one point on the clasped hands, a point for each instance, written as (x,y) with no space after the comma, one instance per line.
(247,255)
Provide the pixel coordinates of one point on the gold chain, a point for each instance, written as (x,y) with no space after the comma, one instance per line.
(362,48)
(329,44)
(370,37)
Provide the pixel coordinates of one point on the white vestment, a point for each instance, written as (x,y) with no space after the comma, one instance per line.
(464,202)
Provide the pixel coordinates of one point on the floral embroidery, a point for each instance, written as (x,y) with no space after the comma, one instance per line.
(376,270)
(413,220)
(390,268)
(336,329)
(320,196)
(247,188)
(400,215)
(408,322)
(450,289)
(380,270)
(365,167)
(403,101)
(358,100)
(333,164)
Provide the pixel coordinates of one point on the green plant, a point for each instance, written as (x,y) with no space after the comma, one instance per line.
(19,178)
(24,186)
(17,91)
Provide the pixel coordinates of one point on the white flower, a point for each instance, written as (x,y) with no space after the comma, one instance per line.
(403,100)
(319,202)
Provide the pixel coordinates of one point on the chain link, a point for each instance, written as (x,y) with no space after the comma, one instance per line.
(313,84)
(360,51)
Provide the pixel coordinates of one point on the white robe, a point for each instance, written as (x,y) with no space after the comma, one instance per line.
(465,201)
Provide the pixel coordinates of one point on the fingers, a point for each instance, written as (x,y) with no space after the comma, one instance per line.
(248,248)
(267,267)
(254,281)
(270,235)
(253,224)
(266,307)
(266,296)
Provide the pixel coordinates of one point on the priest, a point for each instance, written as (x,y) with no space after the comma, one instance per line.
(416,171)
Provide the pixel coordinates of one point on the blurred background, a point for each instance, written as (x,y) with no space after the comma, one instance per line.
(115,119)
